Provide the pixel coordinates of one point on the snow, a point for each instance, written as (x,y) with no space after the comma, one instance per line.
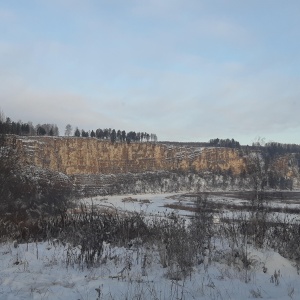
(139,203)
(43,274)
(155,204)
(45,271)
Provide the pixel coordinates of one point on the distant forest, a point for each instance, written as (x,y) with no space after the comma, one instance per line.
(7,126)
(228,143)
(117,135)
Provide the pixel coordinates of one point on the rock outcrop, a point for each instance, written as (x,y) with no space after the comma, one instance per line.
(102,167)
(74,156)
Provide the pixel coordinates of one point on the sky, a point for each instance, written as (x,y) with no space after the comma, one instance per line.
(186,70)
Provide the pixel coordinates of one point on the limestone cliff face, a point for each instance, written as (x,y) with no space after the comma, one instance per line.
(74,156)
(287,165)
(95,167)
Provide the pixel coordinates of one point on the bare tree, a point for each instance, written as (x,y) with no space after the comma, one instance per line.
(257,169)
(68,130)
(2,116)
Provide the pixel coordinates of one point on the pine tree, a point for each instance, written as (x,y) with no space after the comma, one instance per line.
(113,136)
(51,133)
(77,132)
(41,131)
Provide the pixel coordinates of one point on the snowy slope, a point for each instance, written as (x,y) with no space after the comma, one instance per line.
(48,270)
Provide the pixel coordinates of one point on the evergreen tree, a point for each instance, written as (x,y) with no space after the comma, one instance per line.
(41,131)
(113,136)
(26,129)
(77,132)
(93,134)
(99,134)
(123,135)
(119,135)
(106,133)
(51,133)
(84,133)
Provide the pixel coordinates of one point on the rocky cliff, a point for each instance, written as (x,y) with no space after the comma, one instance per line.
(101,167)
(74,156)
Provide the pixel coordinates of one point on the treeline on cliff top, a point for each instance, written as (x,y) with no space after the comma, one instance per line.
(117,135)
(7,126)
(271,148)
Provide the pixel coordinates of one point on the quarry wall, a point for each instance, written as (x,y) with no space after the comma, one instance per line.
(73,156)
(96,167)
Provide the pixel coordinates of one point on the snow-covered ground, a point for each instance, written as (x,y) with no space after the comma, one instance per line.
(40,271)
(153,204)
(46,270)
(148,204)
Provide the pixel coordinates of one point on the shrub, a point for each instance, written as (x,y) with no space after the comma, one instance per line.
(27,192)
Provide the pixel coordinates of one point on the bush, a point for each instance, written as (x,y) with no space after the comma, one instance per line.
(28,192)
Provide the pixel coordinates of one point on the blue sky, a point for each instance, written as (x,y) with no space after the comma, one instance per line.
(186,70)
